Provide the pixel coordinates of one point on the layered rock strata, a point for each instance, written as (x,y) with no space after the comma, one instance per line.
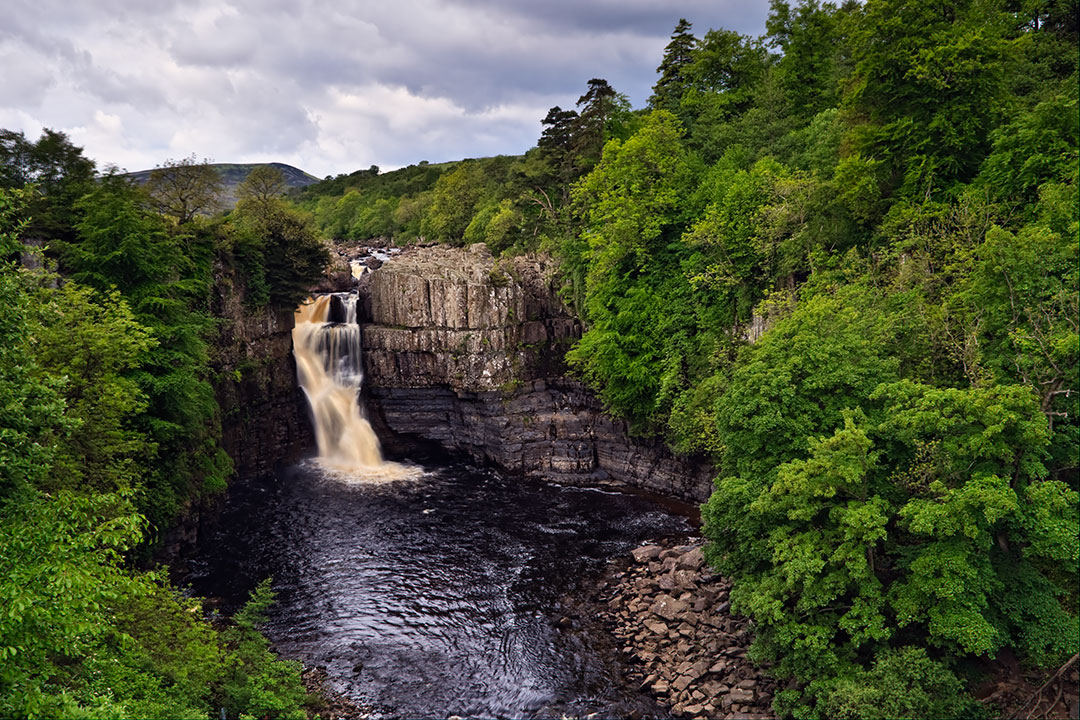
(264,416)
(467,351)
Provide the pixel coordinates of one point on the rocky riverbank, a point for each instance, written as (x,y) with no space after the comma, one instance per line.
(680,642)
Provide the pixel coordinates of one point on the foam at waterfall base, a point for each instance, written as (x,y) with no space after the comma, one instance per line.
(384,472)
(326,346)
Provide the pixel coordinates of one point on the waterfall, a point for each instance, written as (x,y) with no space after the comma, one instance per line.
(326,345)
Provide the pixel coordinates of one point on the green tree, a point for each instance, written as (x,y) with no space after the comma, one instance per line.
(292,253)
(598,109)
(182,189)
(557,146)
(453,202)
(1023,295)
(1036,147)
(94,343)
(31,407)
(725,70)
(262,184)
(673,82)
(165,277)
(634,205)
(59,173)
(927,89)
(815,42)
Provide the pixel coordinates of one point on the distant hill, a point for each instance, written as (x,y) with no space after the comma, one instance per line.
(394,183)
(232,174)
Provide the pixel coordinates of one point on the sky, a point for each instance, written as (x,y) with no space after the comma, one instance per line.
(328,86)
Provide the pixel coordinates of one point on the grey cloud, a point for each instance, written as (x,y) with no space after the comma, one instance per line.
(645,17)
(247,77)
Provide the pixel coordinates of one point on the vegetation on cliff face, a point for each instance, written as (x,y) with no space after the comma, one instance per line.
(109,430)
(883,197)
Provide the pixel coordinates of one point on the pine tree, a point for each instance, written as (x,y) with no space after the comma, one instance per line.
(596,107)
(669,89)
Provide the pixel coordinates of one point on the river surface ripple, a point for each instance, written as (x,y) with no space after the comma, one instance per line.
(435,596)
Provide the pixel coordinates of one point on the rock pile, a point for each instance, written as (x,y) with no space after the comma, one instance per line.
(327,703)
(671,614)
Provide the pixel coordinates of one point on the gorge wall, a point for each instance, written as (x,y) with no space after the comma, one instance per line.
(467,351)
(264,416)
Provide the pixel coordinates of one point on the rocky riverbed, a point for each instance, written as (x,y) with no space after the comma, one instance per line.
(678,640)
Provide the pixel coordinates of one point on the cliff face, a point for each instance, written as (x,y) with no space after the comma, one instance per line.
(467,352)
(264,417)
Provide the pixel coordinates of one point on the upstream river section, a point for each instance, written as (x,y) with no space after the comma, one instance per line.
(433,596)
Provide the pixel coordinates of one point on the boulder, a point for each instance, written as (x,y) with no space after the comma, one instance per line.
(645,553)
(691,560)
(668,607)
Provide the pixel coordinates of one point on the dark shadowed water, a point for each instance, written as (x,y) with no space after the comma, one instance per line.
(436,596)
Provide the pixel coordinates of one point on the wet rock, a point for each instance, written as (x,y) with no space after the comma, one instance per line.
(691,654)
(692,560)
(739,695)
(646,553)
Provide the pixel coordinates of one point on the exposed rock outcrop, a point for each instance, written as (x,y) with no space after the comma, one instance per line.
(264,421)
(468,351)
(264,417)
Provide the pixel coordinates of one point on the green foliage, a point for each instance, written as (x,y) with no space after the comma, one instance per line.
(928,87)
(1038,146)
(60,570)
(31,406)
(634,209)
(915,526)
(829,354)
(673,81)
(256,683)
(165,276)
(81,635)
(1023,289)
(93,343)
(281,248)
(903,683)
(816,44)
(453,201)
(839,259)
(263,184)
(58,172)
(183,189)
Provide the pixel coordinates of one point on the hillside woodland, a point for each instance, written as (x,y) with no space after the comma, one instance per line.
(840,261)
(110,431)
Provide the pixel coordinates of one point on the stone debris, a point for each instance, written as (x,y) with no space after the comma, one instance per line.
(671,616)
(327,703)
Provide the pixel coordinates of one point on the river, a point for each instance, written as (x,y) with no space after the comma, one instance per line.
(436,595)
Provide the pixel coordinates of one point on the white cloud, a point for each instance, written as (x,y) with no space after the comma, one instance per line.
(329,87)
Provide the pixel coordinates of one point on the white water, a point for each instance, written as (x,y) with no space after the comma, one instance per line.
(330,371)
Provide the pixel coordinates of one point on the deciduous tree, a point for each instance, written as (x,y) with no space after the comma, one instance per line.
(182,189)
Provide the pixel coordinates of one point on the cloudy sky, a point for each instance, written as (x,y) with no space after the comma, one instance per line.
(328,86)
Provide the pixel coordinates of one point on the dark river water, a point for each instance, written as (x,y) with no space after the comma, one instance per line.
(435,596)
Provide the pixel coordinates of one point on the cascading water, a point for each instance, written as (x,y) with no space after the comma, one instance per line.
(425,599)
(330,371)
